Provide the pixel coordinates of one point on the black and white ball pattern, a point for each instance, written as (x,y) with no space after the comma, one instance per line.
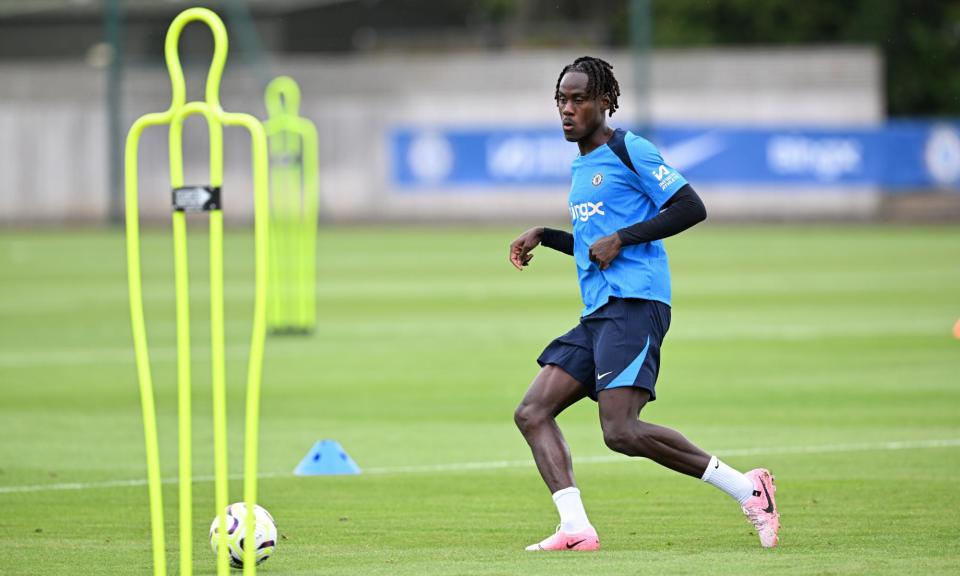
(265,533)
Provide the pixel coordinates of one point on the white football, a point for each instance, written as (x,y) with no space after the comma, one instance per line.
(265,533)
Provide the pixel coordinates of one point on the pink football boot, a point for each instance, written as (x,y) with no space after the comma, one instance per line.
(761,508)
(585,540)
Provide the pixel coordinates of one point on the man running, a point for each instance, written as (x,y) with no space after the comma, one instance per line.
(623,200)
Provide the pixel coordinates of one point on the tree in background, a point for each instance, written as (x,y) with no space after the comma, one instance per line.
(920,39)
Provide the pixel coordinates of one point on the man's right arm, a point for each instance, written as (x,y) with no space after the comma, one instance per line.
(520,248)
(559,240)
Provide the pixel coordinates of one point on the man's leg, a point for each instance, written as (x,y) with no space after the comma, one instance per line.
(623,432)
(551,392)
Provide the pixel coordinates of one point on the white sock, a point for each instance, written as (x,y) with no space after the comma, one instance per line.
(729,480)
(573,518)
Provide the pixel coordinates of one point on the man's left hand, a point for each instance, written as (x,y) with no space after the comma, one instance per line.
(604,250)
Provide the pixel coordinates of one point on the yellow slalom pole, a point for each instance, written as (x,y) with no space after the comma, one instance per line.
(184,389)
(282,93)
(255,367)
(184,364)
(209,201)
(295,203)
(311,202)
(135,287)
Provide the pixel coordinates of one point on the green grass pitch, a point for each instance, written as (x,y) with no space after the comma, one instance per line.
(822,352)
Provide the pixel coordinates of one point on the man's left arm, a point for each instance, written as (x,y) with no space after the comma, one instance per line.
(681,211)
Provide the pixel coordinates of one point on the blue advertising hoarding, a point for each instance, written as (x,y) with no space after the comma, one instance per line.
(898,156)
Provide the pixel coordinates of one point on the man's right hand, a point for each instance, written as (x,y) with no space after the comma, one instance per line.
(520,248)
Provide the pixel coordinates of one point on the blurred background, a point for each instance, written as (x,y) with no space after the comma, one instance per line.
(438,111)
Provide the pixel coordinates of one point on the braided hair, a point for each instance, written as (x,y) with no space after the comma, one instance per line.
(600,79)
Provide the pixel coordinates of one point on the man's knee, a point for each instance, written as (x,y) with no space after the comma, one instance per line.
(529,416)
(616,439)
(624,439)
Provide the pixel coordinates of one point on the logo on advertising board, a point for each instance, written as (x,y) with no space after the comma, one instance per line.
(519,158)
(941,155)
(827,159)
(430,157)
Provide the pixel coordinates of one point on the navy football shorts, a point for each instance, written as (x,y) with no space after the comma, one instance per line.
(617,345)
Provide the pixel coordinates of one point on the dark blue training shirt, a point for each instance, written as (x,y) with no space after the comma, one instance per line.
(605,196)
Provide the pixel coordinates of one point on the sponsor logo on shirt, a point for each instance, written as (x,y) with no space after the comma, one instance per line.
(665,176)
(585,210)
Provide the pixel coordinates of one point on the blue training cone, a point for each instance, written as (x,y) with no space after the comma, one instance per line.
(326,457)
